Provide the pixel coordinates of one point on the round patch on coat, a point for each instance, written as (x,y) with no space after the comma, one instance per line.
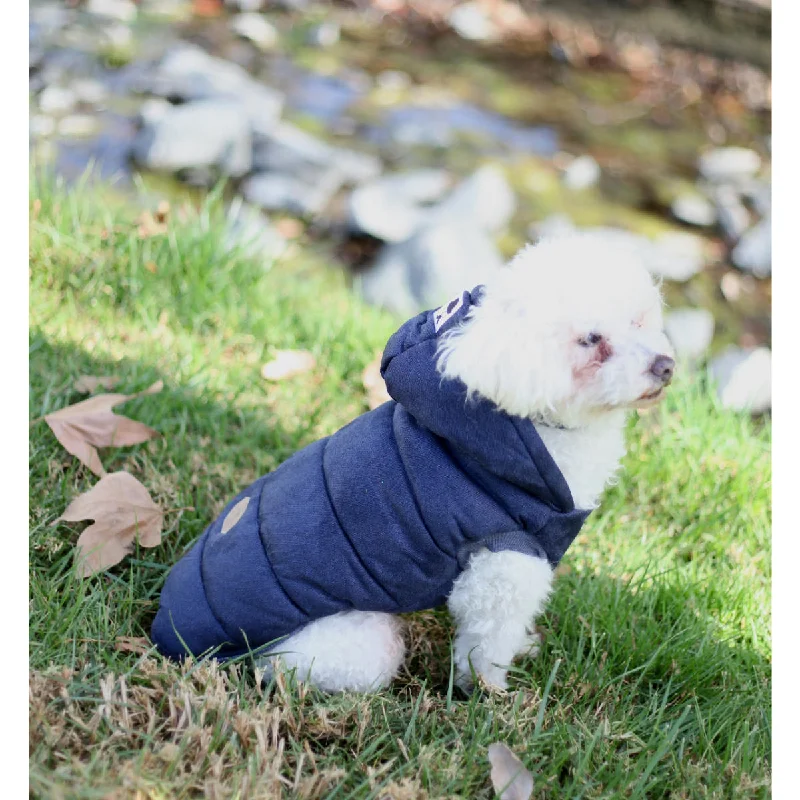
(235,514)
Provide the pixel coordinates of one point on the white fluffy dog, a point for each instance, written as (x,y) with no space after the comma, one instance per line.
(570,335)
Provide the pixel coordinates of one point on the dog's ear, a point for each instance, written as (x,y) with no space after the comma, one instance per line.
(502,354)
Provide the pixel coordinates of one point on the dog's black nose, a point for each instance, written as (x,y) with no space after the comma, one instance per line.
(663,367)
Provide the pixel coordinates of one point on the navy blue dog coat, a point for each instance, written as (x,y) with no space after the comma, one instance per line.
(381,516)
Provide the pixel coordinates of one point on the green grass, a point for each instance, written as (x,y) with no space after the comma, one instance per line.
(654,675)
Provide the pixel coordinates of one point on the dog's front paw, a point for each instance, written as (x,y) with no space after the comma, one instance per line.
(494,678)
(477,666)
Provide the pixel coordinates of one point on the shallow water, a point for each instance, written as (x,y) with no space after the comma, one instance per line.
(455,105)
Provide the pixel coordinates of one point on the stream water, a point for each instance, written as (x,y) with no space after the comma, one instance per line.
(428,98)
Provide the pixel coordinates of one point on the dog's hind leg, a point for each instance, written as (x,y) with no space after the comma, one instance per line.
(359,651)
(494,603)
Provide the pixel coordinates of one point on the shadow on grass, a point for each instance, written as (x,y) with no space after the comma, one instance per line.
(208,451)
(649,646)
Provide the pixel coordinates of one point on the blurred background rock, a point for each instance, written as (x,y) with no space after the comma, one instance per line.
(422,143)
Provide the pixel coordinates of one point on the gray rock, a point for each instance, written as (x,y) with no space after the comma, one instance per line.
(40,126)
(470,21)
(152,110)
(250,231)
(62,63)
(753,253)
(56,100)
(485,199)
(89,91)
(415,132)
(583,172)
(169,139)
(551,227)
(35,56)
(432,266)
(357,167)
(729,164)
(277,191)
(290,5)
(734,286)
(77,125)
(759,194)
(733,217)
(326,34)
(118,37)
(121,10)
(690,330)
(744,378)
(290,150)
(393,80)
(393,207)
(675,256)
(262,104)
(35,84)
(78,38)
(189,73)
(256,29)
(48,18)
(168,9)
(694,209)
(247,6)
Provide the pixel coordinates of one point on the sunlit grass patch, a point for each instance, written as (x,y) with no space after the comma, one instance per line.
(654,673)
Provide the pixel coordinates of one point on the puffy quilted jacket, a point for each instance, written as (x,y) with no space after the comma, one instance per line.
(381,516)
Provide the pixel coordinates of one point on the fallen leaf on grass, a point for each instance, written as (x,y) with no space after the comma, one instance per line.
(122,510)
(287,364)
(90,383)
(153,223)
(510,779)
(289,228)
(207,8)
(169,752)
(132,644)
(373,382)
(84,426)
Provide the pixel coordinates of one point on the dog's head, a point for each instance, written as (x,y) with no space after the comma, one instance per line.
(570,329)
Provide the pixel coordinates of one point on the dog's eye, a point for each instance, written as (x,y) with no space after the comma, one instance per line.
(637,323)
(590,340)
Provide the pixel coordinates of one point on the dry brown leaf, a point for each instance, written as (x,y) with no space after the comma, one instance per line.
(122,510)
(153,223)
(162,211)
(90,383)
(207,8)
(289,227)
(147,226)
(373,382)
(84,426)
(132,644)
(287,364)
(510,779)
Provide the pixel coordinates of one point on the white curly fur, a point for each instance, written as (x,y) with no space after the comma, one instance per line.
(494,604)
(531,347)
(358,651)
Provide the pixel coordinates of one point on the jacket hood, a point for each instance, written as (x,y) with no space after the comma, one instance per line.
(505,445)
